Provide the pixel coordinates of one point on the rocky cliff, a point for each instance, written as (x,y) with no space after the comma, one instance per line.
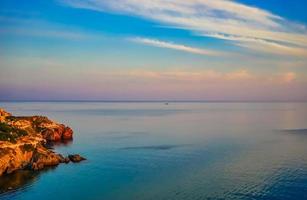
(23,142)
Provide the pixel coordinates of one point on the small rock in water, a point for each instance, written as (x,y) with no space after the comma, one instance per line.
(75,158)
(66,160)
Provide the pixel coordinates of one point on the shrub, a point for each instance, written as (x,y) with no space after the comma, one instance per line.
(27,148)
(9,133)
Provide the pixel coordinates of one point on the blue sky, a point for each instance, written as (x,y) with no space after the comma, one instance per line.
(143,50)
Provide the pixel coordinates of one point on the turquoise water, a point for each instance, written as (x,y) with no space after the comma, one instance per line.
(176,151)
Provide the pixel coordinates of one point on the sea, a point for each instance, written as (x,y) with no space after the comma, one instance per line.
(170,151)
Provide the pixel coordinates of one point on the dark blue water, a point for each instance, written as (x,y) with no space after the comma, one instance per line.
(176,151)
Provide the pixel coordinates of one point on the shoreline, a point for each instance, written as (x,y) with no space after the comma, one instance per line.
(24,143)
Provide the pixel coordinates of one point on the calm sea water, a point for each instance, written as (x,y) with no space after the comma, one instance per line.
(176,151)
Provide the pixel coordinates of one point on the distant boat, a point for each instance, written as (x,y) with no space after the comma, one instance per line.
(166,103)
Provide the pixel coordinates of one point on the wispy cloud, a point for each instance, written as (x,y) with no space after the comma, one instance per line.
(94,82)
(171,45)
(203,75)
(288,77)
(274,48)
(221,19)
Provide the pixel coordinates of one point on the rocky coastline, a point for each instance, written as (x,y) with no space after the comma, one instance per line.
(24,139)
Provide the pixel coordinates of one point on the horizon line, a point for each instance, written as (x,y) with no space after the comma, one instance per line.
(158,101)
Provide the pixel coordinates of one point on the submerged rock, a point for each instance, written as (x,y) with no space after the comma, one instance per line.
(76,158)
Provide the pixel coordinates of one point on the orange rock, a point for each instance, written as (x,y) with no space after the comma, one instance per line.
(67,134)
(29,150)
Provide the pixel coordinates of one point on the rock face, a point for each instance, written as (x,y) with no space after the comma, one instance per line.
(32,156)
(50,130)
(23,139)
(3,115)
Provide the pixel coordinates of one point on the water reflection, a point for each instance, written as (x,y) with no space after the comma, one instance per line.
(55,144)
(19,180)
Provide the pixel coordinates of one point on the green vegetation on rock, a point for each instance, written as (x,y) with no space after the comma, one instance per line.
(9,133)
(27,148)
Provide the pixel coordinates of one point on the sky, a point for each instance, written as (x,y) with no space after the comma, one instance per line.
(207,50)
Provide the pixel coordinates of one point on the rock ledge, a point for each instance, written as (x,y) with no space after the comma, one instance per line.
(23,142)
